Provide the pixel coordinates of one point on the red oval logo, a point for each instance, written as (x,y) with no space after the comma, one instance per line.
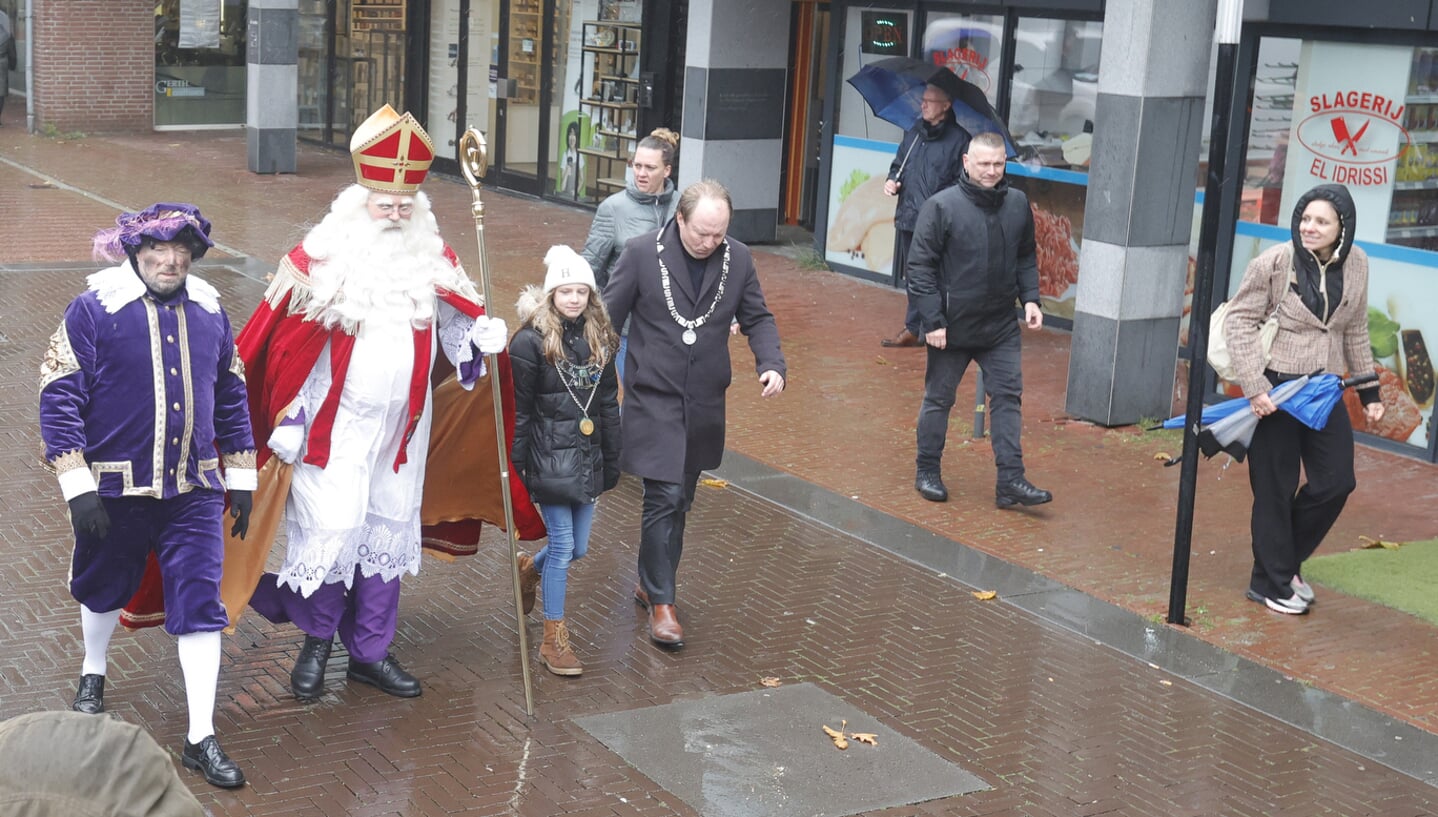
(1353,137)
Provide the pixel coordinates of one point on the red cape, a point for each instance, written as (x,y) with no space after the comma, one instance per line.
(462,485)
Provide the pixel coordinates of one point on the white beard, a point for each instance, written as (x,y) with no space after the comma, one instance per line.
(360,270)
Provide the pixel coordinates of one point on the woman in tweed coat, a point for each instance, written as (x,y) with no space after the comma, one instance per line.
(1318,284)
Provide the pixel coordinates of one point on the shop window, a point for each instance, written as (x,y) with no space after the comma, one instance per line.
(200,63)
(969,44)
(1055,88)
(1365,116)
(860,230)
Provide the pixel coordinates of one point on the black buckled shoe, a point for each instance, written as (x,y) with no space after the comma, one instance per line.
(388,675)
(931,487)
(1020,492)
(90,696)
(211,760)
(307,679)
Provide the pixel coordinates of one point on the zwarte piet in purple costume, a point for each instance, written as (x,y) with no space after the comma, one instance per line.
(145,420)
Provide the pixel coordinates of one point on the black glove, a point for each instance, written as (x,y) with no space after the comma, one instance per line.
(611,478)
(87,514)
(241,503)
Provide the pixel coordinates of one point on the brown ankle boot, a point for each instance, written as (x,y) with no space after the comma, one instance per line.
(528,581)
(558,658)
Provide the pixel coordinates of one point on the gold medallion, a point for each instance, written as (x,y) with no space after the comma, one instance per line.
(586,426)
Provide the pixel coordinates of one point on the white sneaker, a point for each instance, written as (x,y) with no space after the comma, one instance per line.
(1302,589)
(1291,606)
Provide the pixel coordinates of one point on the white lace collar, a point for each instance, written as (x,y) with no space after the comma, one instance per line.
(120,285)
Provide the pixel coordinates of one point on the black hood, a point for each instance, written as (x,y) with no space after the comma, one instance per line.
(1338,196)
(1313,284)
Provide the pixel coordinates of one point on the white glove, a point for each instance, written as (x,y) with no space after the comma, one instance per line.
(286,442)
(489,335)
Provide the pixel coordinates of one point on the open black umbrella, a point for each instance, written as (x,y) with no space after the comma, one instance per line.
(894,87)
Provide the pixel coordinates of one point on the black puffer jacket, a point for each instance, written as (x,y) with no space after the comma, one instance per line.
(935,158)
(559,464)
(972,258)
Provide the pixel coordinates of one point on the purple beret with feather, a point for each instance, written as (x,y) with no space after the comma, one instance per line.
(165,221)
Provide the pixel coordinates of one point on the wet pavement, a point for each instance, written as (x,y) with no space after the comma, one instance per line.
(1066,695)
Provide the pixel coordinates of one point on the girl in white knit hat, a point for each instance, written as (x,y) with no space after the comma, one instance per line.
(566,432)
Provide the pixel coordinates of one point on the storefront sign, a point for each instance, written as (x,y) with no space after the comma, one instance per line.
(1355,137)
(1347,126)
(885,33)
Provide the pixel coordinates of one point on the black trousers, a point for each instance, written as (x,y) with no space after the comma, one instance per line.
(902,240)
(661,535)
(1004,385)
(1290,522)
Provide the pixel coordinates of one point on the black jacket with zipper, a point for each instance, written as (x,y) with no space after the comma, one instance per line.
(973,258)
(558,463)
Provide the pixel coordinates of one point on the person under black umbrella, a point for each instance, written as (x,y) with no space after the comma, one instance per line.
(929,159)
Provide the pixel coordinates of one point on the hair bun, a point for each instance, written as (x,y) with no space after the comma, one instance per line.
(666,135)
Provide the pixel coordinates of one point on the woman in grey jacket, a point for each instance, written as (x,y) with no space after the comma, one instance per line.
(645,205)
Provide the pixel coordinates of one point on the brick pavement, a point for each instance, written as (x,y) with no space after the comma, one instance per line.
(969,680)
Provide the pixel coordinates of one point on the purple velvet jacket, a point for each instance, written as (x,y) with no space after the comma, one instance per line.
(145,395)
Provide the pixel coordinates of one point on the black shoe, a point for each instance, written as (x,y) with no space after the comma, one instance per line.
(1020,492)
(209,758)
(388,675)
(307,679)
(931,487)
(90,697)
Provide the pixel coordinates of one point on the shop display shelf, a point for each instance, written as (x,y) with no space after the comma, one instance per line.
(1412,232)
(1430,184)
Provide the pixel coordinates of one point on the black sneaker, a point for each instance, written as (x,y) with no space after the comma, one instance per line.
(90,696)
(1020,492)
(207,757)
(931,487)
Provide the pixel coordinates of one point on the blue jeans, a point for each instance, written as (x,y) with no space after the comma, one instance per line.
(619,356)
(568,540)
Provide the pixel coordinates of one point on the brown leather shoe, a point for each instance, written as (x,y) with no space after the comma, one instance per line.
(664,627)
(643,598)
(905,338)
(528,581)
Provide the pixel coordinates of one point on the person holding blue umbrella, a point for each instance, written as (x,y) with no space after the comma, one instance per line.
(929,159)
(1318,286)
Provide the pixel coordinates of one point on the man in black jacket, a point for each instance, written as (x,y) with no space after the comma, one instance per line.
(972,257)
(929,159)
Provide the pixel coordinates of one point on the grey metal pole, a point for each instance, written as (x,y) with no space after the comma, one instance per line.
(1218,185)
(979,405)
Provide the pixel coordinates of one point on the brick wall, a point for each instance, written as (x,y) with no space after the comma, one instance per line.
(94,65)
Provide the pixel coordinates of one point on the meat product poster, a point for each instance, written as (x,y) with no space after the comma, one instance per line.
(1058,230)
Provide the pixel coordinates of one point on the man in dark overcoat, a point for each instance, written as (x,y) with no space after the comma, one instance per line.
(679,288)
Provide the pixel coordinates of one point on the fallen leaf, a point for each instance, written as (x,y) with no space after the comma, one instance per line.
(986,595)
(42,186)
(837,735)
(881,360)
(865,737)
(1165,682)
(1370,542)
(770,681)
(1162,455)
(714,483)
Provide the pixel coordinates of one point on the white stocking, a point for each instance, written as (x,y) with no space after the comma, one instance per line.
(97,628)
(200,661)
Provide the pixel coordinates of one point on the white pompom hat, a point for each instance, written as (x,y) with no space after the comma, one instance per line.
(564,266)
